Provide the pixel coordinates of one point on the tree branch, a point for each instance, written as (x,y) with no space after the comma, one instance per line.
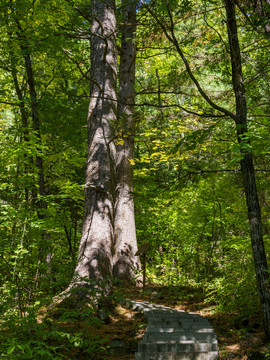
(66,52)
(172,38)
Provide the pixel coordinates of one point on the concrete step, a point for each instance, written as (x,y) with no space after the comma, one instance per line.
(168,329)
(163,315)
(169,317)
(204,337)
(175,335)
(159,327)
(179,322)
(144,305)
(171,312)
(176,346)
(213,355)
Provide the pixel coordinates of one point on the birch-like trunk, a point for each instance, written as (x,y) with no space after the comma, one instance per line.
(247,168)
(125,263)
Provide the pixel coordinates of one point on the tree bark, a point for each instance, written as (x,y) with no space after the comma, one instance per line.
(247,168)
(97,240)
(125,263)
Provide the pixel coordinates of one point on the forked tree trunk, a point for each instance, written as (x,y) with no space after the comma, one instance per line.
(247,168)
(108,242)
(125,263)
(97,240)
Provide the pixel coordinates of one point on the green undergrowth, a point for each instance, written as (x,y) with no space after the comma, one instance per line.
(84,331)
(61,334)
(69,330)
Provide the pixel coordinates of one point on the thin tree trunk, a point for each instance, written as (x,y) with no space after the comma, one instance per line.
(20,97)
(247,168)
(24,118)
(95,250)
(42,205)
(126,264)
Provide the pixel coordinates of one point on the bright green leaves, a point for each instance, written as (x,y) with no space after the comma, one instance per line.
(31,235)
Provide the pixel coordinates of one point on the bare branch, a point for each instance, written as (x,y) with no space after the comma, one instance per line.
(66,52)
(9,103)
(172,38)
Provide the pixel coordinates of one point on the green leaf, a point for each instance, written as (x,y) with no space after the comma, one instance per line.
(11,349)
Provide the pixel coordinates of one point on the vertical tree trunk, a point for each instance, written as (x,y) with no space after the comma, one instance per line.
(25,48)
(97,240)
(42,204)
(26,54)
(126,264)
(247,168)
(24,116)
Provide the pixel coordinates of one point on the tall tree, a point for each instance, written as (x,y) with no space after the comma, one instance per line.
(108,239)
(95,250)
(240,118)
(125,263)
(247,167)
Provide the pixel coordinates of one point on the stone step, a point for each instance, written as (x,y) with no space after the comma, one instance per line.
(163,316)
(210,355)
(179,324)
(180,316)
(144,306)
(174,314)
(184,327)
(168,329)
(171,312)
(176,346)
(175,335)
(175,319)
(204,337)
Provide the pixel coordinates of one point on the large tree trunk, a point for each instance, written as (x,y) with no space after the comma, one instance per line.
(97,240)
(247,168)
(125,263)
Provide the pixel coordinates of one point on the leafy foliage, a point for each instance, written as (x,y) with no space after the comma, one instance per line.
(189,198)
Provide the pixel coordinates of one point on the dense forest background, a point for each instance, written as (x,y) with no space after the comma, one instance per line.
(189,196)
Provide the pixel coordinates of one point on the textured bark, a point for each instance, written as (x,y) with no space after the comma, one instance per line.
(126,264)
(247,169)
(95,250)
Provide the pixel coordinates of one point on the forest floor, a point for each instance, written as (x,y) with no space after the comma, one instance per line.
(238,337)
(74,333)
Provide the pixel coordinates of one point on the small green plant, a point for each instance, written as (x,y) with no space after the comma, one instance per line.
(30,337)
